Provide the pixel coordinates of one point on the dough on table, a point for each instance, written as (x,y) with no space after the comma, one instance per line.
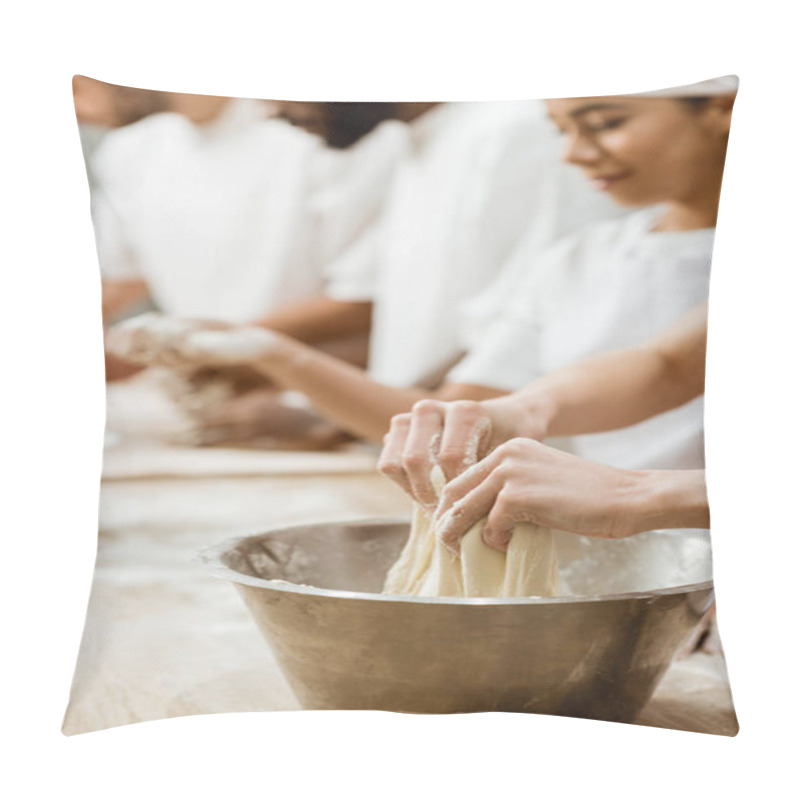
(426,568)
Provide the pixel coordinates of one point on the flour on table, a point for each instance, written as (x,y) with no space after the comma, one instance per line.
(426,568)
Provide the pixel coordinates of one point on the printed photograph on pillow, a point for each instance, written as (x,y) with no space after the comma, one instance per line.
(404,406)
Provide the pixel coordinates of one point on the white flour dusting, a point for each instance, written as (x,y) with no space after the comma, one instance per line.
(237,344)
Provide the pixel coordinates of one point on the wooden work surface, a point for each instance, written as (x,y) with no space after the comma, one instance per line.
(165,639)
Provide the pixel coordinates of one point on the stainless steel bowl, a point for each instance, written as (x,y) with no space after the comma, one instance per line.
(599,652)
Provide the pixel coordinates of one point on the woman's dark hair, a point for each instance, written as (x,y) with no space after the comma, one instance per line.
(349,122)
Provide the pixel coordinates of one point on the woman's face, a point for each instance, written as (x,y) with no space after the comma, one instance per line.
(645,150)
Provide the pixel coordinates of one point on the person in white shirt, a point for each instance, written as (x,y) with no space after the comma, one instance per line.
(670,150)
(478,179)
(614,285)
(619,283)
(639,149)
(221,213)
(496,467)
(216,211)
(100,107)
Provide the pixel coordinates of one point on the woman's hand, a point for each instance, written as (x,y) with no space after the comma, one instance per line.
(258,414)
(526,481)
(453,435)
(159,340)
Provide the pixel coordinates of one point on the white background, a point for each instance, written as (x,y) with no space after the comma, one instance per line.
(53,390)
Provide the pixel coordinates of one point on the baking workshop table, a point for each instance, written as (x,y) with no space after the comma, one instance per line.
(164,639)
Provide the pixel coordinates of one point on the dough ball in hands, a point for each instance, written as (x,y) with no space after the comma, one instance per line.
(228,346)
(149,339)
(160,340)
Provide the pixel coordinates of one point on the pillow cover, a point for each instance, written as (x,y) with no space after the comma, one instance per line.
(280,282)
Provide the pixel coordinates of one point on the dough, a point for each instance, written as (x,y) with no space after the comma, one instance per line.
(144,337)
(425,568)
(234,345)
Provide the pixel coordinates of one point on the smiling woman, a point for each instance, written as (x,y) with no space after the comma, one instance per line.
(619,283)
(644,150)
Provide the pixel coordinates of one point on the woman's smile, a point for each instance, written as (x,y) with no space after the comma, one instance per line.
(605,182)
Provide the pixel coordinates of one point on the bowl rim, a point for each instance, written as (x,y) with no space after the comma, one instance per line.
(211,558)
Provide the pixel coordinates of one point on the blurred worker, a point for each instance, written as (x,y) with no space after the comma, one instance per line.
(100,107)
(477,179)
(616,284)
(214,210)
(109,106)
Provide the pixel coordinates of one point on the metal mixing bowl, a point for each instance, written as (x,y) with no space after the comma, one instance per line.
(599,652)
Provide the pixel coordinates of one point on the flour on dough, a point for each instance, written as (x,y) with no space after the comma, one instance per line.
(233,345)
(426,568)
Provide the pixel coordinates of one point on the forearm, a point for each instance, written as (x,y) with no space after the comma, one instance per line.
(117,369)
(623,387)
(527,481)
(119,295)
(346,394)
(604,393)
(341,392)
(320,319)
(670,499)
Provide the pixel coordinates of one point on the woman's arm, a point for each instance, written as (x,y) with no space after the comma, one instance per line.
(346,394)
(120,295)
(343,393)
(526,481)
(320,319)
(622,388)
(609,391)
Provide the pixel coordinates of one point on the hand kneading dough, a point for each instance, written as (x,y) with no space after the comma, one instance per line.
(425,568)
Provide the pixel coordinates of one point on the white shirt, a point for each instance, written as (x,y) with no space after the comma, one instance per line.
(235,218)
(91,136)
(475,177)
(613,285)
